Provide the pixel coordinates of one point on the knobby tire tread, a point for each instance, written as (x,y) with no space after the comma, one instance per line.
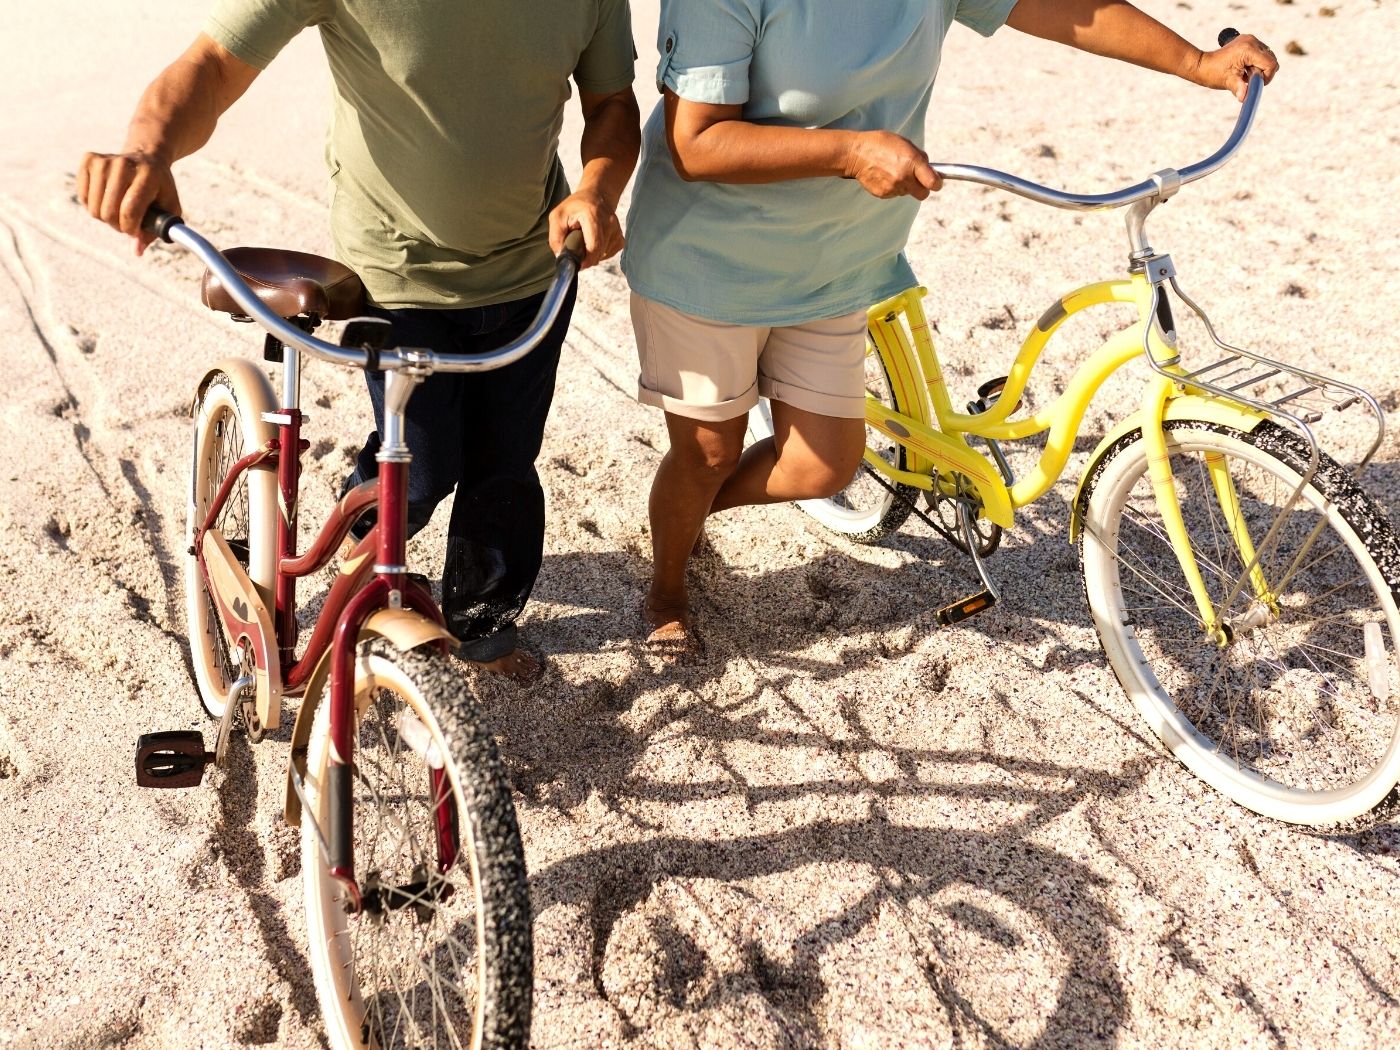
(495,836)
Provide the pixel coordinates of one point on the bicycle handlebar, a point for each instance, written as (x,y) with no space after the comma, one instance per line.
(1164,181)
(172,229)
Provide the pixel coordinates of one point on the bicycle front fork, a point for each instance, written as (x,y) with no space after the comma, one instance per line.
(386,589)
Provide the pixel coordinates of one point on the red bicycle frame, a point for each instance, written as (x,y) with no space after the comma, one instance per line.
(367,587)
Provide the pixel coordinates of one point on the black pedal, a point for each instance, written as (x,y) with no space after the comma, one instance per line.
(173,759)
(965,609)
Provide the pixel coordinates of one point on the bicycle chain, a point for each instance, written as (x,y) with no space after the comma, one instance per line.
(937,527)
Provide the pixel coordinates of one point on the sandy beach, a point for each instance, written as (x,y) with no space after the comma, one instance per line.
(843,827)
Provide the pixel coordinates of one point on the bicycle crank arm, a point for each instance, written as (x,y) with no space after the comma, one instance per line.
(967,542)
(983,599)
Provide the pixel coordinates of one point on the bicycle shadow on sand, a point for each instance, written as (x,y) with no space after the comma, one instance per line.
(984,933)
(668,941)
(683,929)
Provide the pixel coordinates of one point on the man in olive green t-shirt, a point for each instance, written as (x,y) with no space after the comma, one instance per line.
(449,202)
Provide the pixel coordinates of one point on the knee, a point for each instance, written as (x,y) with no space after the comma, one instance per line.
(813,477)
(825,479)
(711,460)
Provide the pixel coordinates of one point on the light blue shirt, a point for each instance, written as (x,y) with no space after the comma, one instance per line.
(786,252)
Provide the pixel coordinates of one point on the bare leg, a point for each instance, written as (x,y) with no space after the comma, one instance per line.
(810,456)
(702,455)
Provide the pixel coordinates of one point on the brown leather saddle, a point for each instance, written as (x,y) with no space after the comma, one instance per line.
(291,284)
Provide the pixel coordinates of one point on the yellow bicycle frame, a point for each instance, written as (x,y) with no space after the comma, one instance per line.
(934,435)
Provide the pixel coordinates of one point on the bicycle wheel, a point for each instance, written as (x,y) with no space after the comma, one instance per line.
(228,425)
(1293,713)
(865,510)
(440,954)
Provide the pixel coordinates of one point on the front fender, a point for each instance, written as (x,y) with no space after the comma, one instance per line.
(1187,406)
(406,630)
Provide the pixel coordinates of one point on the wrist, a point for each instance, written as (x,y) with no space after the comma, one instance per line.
(849,162)
(599,183)
(1193,67)
(142,142)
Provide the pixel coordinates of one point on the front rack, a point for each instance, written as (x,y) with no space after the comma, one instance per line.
(1295,397)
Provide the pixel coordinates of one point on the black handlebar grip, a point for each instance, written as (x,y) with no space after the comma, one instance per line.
(1226,35)
(573,244)
(158,223)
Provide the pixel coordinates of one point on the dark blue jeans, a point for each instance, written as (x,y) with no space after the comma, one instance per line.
(478,434)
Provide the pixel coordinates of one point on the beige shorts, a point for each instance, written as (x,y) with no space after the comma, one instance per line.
(715,371)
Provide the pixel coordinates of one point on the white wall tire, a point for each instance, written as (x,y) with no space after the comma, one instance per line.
(228,425)
(473,948)
(1283,719)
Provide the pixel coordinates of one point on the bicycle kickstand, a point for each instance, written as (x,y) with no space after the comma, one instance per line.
(983,599)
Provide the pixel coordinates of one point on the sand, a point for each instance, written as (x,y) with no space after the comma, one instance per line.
(843,828)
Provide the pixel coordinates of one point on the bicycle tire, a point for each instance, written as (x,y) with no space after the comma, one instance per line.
(228,425)
(353,957)
(863,511)
(1309,730)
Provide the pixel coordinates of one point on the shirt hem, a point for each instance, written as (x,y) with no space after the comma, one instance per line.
(708,88)
(449,301)
(816,311)
(606,87)
(236,45)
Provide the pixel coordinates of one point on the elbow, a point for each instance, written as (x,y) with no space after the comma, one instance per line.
(687,173)
(688,159)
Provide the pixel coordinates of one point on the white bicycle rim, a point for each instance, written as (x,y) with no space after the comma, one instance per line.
(329,939)
(1195,750)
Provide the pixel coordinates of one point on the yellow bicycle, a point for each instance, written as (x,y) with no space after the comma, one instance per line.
(1243,585)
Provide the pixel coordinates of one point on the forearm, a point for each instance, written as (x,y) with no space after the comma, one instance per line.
(713,143)
(1112,28)
(175,116)
(737,151)
(177,113)
(609,146)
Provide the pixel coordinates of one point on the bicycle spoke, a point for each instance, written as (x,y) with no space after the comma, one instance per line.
(1286,694)
(416,974)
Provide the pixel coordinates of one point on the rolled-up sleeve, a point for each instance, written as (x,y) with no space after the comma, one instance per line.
(984,16)
(706,47)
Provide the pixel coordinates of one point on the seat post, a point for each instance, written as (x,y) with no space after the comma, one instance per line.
(291,377)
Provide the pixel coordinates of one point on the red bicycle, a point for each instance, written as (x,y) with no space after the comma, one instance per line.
(417,906)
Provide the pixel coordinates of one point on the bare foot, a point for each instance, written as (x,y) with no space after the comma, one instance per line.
(517,665)
(672,632)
